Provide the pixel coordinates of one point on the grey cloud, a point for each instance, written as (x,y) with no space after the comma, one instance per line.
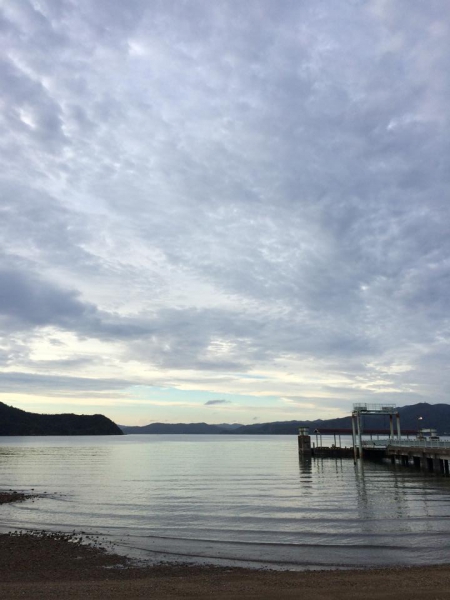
(215,402)
(30,110)
(51,381)
(32,301)
(28,383)
(182,338)
(64,364)
(28,301)
(269,178)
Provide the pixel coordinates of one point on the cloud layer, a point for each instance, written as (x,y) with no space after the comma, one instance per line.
(246,200)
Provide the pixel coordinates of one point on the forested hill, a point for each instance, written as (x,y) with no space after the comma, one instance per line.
(433,415)
(14,421)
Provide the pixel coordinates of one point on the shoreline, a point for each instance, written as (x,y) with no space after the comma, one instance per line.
(49,565)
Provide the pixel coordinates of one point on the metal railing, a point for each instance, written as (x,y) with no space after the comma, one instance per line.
(421,443)
(381,408)
(374,443)
(407,443)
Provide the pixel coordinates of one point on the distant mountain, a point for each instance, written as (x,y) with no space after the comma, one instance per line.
(433,415)
(291,427)
(14,421)
(173,428)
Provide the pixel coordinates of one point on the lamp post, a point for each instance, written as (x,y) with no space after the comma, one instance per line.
(316,431)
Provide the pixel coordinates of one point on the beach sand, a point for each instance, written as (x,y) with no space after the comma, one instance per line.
(48,566)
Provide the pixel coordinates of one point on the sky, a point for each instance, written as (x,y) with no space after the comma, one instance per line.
(224,211)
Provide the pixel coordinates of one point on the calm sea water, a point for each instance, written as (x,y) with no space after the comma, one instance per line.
(246,500)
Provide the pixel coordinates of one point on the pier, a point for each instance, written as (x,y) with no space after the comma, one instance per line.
(429,455)
(426,452)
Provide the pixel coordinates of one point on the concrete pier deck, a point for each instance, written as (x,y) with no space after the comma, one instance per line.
(429,455)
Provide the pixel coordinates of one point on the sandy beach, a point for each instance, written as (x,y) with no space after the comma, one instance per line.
(59,566)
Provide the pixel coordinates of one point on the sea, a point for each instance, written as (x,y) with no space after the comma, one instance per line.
(231,500)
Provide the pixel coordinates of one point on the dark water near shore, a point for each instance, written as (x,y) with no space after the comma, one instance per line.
(245,500)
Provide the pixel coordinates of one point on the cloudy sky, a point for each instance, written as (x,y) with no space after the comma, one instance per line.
(224,211)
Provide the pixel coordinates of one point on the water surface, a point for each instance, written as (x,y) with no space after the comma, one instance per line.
(245,500)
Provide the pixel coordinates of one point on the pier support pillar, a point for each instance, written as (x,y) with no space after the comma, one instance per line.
(399,433)
(360,446)
(354,437)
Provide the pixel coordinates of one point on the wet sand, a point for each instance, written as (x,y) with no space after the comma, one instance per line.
(59,566)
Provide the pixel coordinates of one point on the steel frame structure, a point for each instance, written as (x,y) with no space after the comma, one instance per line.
(372,409)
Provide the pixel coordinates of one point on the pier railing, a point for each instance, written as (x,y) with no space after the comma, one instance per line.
(406,443)
(420,443)
(374,408)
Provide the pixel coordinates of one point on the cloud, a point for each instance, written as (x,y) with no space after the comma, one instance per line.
(32,383)
(198,193)
(216,402)
(27,301)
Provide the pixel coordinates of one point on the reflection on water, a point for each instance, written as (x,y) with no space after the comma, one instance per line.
(234,499)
